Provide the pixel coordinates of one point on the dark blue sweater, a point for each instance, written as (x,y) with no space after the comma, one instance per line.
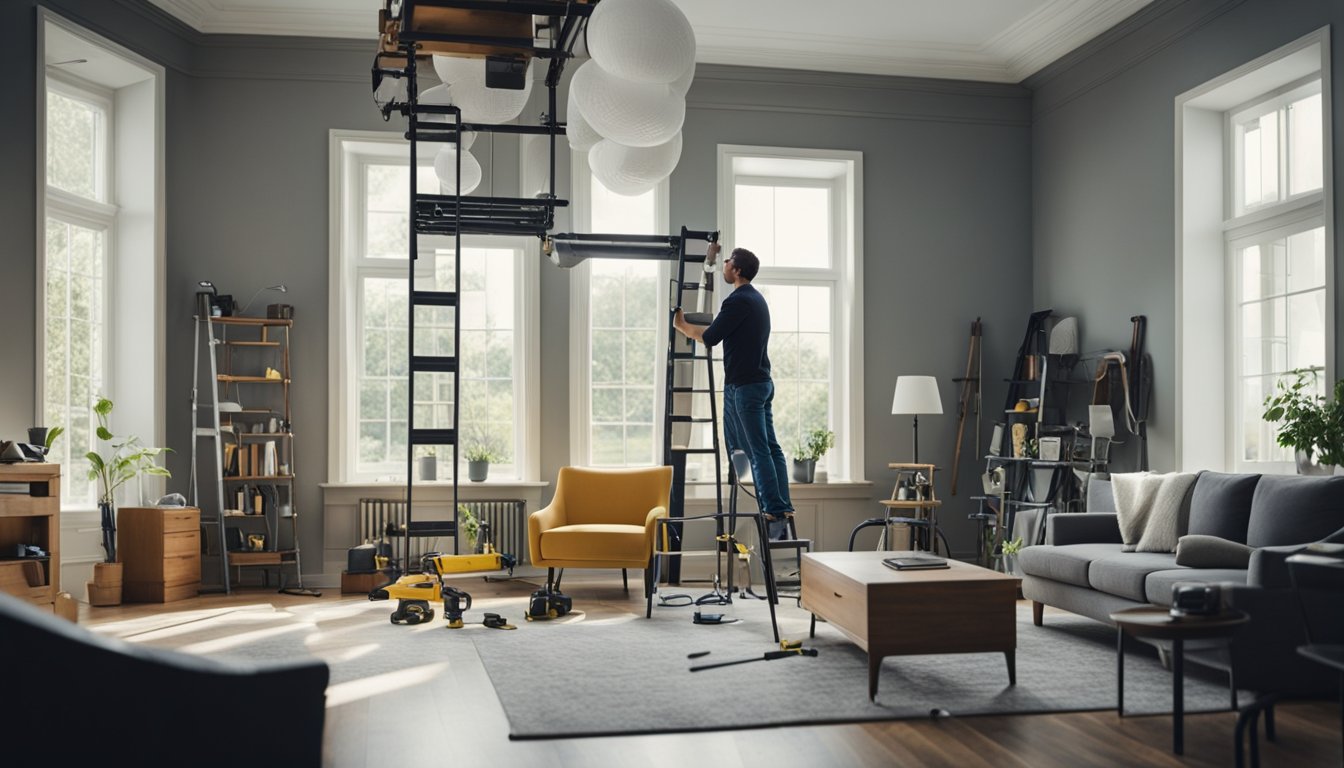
(743,325)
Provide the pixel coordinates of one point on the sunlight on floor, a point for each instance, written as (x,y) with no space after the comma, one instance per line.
(207,647)
(345,693)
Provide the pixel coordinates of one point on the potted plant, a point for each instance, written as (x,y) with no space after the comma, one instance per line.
(471,526)
(429,465)
(807,453)
(1010,551)
(482,450)
(127,461)
(1312,424)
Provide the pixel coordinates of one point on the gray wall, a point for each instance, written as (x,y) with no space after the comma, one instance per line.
(1103,177)
(946,233)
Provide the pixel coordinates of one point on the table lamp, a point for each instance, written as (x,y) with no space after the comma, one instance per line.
(916,395)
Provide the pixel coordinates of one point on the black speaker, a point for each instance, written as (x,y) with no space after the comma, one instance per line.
(360,559)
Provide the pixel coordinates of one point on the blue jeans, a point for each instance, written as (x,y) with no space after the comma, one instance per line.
(749,425)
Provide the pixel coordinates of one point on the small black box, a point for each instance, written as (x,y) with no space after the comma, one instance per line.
(505,72)
(360,559)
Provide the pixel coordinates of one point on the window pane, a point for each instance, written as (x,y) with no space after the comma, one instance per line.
(624,346)
(785,226)
(74,340)
(1260,160)
(73,146)
(1305,156)
(1258,436)
(488,333)
(800,360)
(1306,260)
(386,196)
(1306,330)
(754,220)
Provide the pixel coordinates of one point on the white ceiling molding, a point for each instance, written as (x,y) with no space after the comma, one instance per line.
(1053,30)
(299,18)
(948,41)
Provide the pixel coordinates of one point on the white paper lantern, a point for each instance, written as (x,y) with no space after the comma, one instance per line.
(450,69)
(445,167)
(633,170)
(478,103)
(629,113)
(648,41)
(581,135)
(683,84)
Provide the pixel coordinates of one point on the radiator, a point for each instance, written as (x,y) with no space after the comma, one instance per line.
(384,520)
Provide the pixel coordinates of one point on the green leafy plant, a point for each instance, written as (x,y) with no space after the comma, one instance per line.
(52,434)
(127,461)
(470,524)
(483,447)
(1310,423)
(815,445)
(1012,547)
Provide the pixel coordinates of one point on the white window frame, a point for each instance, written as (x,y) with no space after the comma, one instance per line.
(350,153)
(1208,229)
(844,276)
(580,282)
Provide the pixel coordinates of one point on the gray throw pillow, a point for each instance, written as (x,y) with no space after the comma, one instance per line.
(1199,551)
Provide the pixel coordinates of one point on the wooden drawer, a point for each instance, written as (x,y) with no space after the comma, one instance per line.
(180,521)
(182,570)
(179,544)
(150,592)
(840,600)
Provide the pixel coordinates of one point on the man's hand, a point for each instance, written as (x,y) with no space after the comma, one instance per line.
(691,331)
(712,252)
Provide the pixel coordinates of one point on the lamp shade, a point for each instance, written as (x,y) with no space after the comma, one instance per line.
(627,112)
(632,171)
(581,135)
(647,41)
(445,167)
(916,395)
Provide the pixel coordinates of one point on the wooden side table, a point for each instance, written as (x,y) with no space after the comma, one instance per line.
(917,513)
(1158,623)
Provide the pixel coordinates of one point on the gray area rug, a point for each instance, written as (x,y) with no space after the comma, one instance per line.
(605,677)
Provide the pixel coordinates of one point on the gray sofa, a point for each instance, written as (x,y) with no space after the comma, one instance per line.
(1082,569)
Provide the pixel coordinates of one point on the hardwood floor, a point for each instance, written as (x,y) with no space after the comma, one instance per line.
(455,716)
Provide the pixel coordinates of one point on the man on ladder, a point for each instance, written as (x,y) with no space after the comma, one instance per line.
(743,325)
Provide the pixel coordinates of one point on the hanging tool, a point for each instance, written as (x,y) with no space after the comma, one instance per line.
(767,656)
(970,397)
(1140,387)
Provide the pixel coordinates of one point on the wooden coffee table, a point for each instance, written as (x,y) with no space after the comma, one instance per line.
(960,609)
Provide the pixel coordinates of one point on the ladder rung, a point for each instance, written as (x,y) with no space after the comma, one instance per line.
(428,364)
(689,285)
(696,390)
(691,419)
(684,449)
(689,356)
(206,432)
(433,436)
(434,298)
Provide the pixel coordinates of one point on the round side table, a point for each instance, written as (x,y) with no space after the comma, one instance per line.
(1158,624)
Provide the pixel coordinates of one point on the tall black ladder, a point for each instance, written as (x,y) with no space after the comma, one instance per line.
(693,280)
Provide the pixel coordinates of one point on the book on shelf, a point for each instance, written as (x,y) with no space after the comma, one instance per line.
(915,562)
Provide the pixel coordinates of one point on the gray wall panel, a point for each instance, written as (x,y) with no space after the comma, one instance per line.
(1103,171)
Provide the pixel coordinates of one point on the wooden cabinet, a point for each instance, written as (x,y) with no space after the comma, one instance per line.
(30,517)
(160,552)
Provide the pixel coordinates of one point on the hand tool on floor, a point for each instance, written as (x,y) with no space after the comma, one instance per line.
(767,656)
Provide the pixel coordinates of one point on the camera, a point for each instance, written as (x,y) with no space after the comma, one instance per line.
(1195,599)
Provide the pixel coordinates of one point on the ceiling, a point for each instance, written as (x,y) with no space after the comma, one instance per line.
(1001,41)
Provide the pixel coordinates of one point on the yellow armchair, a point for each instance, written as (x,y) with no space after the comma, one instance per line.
(600,518)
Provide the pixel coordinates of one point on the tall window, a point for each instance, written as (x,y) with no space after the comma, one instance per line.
(796,209)
(1253,252)
(374,404)
(79,221)
(622,312)
(1276,241)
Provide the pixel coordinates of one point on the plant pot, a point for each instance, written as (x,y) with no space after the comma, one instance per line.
(429,467)
(804,470)
(477,471)
(1312,466)
(105,589)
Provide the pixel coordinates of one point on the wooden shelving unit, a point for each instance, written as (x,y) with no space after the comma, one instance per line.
(30,513)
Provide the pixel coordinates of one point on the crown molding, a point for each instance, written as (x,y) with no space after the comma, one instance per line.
(261,18)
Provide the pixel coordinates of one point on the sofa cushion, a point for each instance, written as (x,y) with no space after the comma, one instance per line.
(595,541)
(1066,563)
(1124,574)
(1197,551)
(1158,586)
(1221,505)
(1293,509)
